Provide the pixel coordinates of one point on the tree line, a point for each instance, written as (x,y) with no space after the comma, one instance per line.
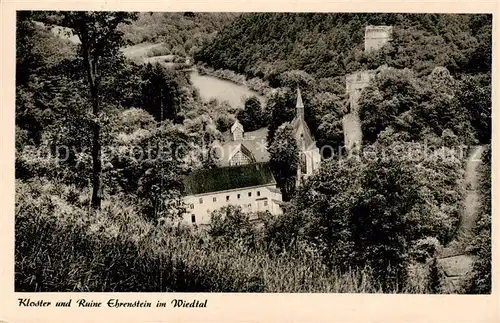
(389,215)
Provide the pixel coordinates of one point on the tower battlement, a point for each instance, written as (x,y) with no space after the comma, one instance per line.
(376,37)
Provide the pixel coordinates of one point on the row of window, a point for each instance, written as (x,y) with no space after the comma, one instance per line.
(238,196)
(193,217)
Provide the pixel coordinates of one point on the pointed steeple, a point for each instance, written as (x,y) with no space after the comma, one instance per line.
(300,105)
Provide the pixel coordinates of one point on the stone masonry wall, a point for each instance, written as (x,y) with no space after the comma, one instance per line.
(376,37)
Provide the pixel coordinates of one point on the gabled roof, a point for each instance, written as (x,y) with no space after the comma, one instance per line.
(228,178)
(237,125)
(254,141)
(297,123)
(240,147)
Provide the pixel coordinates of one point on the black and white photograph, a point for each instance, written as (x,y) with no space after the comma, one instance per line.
(253,152)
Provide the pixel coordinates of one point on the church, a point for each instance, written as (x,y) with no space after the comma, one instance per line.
(243,176)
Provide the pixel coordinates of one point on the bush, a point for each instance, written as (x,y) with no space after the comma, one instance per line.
(61,247)
(479,279)
(160,50)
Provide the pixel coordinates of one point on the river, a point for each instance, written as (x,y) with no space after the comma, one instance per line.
(222,90)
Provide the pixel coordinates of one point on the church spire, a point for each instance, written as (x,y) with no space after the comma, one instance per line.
(300,105)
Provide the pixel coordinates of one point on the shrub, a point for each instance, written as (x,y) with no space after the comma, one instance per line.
(61,247)
(161,50)
(478,280)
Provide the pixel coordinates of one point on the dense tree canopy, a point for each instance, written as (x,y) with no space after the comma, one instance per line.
(284,158)
(377,212)
(414,106)
(180,33)
(251,117)
(326,45)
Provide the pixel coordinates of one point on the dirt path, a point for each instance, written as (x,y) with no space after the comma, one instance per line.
(453,259)
(469,215)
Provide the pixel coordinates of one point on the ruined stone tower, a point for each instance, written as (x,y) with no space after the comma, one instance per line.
(376,37)
(355,83)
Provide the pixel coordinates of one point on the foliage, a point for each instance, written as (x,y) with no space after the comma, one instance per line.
(325,202)
(474,94)
(479,280)
(280,109)
(99,39)
(230,226)
(413,107)
(435,278)
(284,158)
(37,48)
(251,116)
(425,249)
(181,33)
(330,44)
(376,209)
(362,223)
(284,233)
(62,247)
(161,92)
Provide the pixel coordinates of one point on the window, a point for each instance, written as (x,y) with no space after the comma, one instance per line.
(239,195)
(201,200)
(214,199)
(250,206)
(265,203)
(249,194)
(258,193)
(303,163)
(193,218)
(191,206)
(238,134)
(227,197)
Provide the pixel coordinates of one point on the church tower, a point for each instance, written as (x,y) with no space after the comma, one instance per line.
(299,105)
(309,157)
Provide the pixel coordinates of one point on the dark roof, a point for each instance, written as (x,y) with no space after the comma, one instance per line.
(308,139)
(254,141)
(227,178)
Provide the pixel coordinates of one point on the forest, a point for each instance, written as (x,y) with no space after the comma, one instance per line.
(92,214)
(267,44)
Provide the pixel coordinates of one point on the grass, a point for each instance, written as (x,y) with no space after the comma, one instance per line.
(63,246)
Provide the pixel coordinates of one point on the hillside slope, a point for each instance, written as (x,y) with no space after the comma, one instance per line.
(329,45)
(181,33)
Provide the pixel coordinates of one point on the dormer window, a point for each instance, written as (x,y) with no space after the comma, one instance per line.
(237,135)
(237,131)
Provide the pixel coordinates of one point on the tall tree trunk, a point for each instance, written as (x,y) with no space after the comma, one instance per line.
(96,153)
(91,64)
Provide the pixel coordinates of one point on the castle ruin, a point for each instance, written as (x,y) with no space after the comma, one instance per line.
(355,83)
(352,131)
(376,37)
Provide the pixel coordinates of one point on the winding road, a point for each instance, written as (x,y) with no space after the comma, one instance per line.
(469,215)
(453,259)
